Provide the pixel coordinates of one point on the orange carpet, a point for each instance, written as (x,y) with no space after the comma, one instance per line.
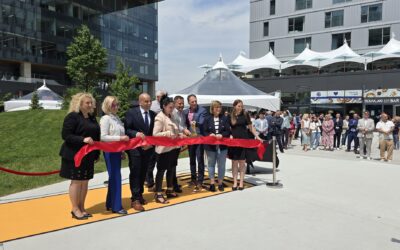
(42,215)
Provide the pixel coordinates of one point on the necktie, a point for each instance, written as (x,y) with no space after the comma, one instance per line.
(146,120)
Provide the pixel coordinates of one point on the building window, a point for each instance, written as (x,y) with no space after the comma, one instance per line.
(371,13)
(340,1)
(379,36)
(266,29)
(301,43)
(296,24)
(334,18)
(272,5)
(303,4)
(338,39)
(272,47)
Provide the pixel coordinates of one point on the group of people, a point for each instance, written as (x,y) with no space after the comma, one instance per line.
(164,117)
(333,133)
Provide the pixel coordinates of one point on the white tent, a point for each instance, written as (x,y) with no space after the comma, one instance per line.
(320,59)
(47,100)
(221,84)
(245,65)
(390,50)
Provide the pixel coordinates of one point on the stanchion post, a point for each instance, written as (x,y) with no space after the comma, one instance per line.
(274,183)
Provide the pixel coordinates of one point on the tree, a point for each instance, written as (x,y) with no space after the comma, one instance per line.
(35,101)
(87,60)
(124,87)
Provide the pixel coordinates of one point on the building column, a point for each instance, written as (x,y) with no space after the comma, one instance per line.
(25,70)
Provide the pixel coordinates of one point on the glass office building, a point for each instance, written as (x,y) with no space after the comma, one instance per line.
(34,35)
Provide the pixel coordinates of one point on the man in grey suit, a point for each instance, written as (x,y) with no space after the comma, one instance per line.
(365,127)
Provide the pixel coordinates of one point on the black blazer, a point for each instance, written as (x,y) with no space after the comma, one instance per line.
(338,125)
(134,123)
(209,128)
(74,130)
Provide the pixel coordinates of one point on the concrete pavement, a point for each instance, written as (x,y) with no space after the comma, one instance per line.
(330,200)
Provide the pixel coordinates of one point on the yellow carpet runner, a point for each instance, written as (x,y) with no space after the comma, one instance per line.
(36,216)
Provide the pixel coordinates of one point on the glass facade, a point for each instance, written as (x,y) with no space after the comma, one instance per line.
(39,31)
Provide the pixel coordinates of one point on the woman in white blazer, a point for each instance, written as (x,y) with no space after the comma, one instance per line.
(112,129)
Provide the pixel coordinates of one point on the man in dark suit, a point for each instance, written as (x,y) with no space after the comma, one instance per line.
(338,127)
(195,115)
(139,122)
(276,127)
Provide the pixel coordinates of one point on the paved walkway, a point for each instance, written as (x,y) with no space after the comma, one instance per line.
(330,200)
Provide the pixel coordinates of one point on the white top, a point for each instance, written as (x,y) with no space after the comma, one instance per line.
(143,114)
(155,106)
(315,126)
(386,127)
(216,125)
(111,128)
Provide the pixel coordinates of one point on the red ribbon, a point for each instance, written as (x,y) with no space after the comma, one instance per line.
(28,173)
(168,142)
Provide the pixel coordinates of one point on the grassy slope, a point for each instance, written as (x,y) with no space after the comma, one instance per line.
(30,141)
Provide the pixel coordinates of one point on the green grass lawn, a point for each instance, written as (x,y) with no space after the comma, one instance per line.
(30,141)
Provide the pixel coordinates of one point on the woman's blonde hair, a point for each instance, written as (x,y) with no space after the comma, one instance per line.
(213,105)
(107,104)
(305,116)
(76,102)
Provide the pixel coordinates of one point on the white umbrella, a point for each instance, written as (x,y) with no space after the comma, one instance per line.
(344,57)
(373,54)
(319,59)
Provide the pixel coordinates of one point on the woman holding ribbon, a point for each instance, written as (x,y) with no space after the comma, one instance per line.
(166,156)
(79,128)
(112,129)
(216,125)
(240,123)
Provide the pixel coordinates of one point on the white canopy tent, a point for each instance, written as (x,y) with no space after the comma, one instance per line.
(390,50)
(321,59)
(221,84)
(47,100)
(245,65)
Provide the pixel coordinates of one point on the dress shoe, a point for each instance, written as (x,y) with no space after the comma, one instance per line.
(221,187)
(241,188)
(178,190)
(143,201)
(121,212)
(212,188)
(234,188)
(83,217)
(136,205)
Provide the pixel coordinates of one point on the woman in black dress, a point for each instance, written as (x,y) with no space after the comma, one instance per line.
(80,127)
(240,125)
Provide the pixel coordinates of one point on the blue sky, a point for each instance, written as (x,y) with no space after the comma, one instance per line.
(195,32)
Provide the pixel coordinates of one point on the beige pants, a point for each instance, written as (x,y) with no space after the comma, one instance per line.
(386,145)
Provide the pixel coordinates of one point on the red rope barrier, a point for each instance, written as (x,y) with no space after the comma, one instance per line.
(28,173)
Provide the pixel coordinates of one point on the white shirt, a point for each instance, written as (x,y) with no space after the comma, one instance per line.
(216,124)
(179,119)
(143,114)
(155,106)
(111,128)
(386,127)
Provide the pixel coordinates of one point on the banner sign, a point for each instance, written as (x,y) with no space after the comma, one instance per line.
(336,96)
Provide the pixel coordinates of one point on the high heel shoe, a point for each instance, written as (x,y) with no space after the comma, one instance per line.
(88,215)
(241,188)
(78,218)
(171,194)
(160,199)
(234,188)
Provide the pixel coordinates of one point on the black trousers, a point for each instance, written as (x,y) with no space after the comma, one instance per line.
(285,137)
(150,170)
(175,180)
(296,134)
(196,152)
(165,162)
(279,141)
(336,139)
(139,160)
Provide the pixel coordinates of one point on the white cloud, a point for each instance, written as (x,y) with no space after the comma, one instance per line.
(192,34)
